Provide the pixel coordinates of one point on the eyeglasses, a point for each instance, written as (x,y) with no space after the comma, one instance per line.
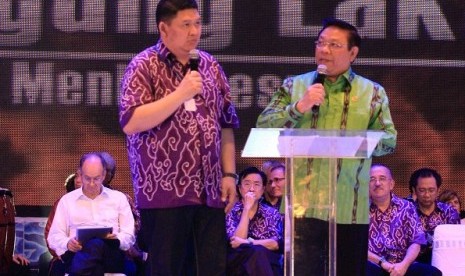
(248,184)
(331,45)
(96,180)
(382,179)
(424,191)
(276,180)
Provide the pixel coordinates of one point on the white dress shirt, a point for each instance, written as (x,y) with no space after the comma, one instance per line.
(110,208)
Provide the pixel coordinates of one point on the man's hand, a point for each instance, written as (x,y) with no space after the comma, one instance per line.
(249,200)
(74,245)
(190,85)
(228,192)
(111,236)
(398,269)
(20,259)
(237,241)
(315,95)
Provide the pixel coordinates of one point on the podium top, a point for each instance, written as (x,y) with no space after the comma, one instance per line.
(289,142)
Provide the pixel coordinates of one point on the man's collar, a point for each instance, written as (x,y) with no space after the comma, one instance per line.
(164,52)
(80,193)
(435,209)
(349,75)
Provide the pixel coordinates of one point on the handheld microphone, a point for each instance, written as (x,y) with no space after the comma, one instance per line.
(194,60)
(322,71)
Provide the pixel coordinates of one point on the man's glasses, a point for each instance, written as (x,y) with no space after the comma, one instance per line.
(380,180)
(247,185)
(96,180)
(276,180)
(425,191)
(331,45)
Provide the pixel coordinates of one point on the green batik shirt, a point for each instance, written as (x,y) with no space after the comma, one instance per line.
(351,103)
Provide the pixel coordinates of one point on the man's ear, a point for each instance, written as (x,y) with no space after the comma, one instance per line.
(353,53)
(162,29)
(393,183)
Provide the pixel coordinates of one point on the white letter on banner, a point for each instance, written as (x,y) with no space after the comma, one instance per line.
(99,83)
(32,88)
(217,34)
(22,25)
(69,87)
(428,12)
(241,90)
(92,17)
(128,16)
(291,18)
(374,16)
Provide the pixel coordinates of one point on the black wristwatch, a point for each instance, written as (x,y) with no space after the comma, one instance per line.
(381,261)
(233,175)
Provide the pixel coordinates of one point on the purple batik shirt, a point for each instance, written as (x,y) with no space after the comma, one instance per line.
(266,223)
(442,214)
(178,162)
(393,231)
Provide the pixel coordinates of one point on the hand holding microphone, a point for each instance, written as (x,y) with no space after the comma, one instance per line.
(322,71)
(315,93)
(194,60)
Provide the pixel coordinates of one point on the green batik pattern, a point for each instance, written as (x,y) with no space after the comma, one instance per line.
(352,103)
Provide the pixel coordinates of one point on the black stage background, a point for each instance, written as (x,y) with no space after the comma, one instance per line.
(62,62)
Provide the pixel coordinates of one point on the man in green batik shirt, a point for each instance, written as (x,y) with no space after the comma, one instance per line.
(346,102)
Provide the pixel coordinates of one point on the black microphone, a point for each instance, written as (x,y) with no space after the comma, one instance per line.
(194,60)
(322,71)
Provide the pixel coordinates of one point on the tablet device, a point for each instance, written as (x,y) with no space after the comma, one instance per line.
(85,233)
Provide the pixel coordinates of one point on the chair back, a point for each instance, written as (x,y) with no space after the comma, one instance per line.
(449,249)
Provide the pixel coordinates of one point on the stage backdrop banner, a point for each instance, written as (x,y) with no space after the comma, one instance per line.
(61,64)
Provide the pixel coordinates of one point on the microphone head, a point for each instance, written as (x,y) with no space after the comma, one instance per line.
(194,60)
(322,69)
(194,54)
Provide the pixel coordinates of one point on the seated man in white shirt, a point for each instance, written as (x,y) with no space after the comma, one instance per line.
(92,205)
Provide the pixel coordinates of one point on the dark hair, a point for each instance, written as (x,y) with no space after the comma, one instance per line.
(251,170)
(92,154)
(447,195)
(423,173)
(354,37)
(110,168)
(69,183)
(167,9)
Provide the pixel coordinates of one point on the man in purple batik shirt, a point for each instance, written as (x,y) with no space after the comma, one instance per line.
(395,232)
(179,125)
(425,183)
(255,230)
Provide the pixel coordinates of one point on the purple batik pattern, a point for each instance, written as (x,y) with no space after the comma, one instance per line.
(266,224)
(442,214)
(391,232)
(177,163)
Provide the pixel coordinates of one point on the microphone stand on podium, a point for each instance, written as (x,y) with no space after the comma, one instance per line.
(292,144)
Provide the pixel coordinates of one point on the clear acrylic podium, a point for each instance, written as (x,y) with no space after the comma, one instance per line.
(292,144)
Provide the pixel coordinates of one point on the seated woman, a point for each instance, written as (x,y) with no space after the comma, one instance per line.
(254,229)
(452,198)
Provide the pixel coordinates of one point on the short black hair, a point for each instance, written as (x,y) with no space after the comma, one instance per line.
(69,183)
(167,9)
(251,170)
(354,37)
(423,173)
(247,171)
